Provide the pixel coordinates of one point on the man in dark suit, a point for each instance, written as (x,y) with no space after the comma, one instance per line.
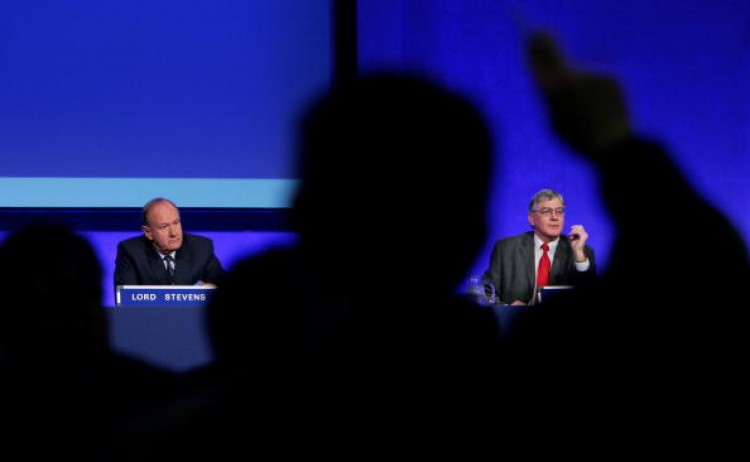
(515,260)
(164,255)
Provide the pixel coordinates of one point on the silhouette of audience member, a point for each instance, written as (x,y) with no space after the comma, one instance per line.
(356,335)
(661,318)
(65,391)
(252,395)
(391,237)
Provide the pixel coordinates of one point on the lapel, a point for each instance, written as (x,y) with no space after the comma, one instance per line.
(561,256)
(527,254)
(153,257)
(179,263)
(181,258)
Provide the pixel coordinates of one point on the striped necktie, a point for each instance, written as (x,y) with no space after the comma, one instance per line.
(169,265)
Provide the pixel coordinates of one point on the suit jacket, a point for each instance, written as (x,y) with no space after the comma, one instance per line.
(138,263)
(512,271)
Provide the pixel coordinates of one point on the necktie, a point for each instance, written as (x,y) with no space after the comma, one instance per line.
(169,261)
(542,274)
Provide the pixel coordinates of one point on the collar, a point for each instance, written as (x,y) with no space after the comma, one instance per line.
(173,254)
(552,244)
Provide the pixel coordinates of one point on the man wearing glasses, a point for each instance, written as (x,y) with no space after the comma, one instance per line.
(521,265)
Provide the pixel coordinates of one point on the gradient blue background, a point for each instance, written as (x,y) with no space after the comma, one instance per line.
(684,66)
(108,104)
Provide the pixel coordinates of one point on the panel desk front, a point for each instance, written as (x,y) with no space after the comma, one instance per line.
(163,325)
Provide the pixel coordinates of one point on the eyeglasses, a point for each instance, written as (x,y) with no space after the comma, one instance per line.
(546,211)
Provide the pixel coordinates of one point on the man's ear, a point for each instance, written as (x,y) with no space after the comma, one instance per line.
(147,232)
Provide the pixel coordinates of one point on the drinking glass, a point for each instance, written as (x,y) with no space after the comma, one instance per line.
(481,290)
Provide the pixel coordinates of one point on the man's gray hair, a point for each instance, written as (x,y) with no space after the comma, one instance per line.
(545,195)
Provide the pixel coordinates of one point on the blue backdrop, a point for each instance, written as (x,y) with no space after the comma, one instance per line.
(108,104)
(684,65)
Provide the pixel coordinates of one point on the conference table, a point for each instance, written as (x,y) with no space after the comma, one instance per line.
(168,336)
(165,325)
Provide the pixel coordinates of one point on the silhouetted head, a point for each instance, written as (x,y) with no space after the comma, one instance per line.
(51,281)
(394,181)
